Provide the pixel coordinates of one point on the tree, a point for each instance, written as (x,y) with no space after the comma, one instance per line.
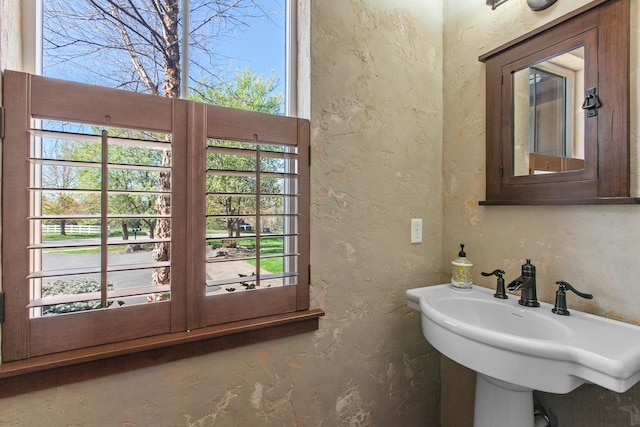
(139,40)
(143,181)
(59,203)
(248,91)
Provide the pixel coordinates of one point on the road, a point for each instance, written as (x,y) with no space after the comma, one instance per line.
(136,278)
(125,279)
(120,280)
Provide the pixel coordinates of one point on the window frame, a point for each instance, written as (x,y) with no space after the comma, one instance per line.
(31,44)
(187,324)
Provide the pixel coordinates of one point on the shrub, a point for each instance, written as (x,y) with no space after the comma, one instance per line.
(72,287)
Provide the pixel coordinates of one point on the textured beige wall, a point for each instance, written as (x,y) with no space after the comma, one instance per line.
(596,248)
(376,116)
(9,30)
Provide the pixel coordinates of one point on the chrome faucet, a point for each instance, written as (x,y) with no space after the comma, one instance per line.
(526,284)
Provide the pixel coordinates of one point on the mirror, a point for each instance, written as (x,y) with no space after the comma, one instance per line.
(558,111)
(548,121)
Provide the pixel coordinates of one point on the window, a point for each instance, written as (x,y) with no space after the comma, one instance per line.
(216,201)
(547,112)
(170,51)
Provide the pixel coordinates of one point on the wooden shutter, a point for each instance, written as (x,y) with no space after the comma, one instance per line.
(253,244)
(95,123)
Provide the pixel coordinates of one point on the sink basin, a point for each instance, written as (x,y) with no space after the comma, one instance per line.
(531,347)
(517,349)
(496,316)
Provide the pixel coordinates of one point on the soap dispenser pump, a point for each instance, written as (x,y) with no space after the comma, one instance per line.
(461,270)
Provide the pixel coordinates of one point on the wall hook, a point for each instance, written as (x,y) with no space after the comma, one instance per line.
(591,102)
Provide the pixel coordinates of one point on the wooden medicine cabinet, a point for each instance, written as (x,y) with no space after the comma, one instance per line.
(558,111)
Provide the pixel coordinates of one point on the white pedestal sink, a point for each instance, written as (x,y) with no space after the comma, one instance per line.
(516,349)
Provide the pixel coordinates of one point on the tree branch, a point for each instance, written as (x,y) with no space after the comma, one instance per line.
(135,59)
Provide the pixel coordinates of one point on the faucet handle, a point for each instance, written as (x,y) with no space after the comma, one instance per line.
(561,297)
(500,291)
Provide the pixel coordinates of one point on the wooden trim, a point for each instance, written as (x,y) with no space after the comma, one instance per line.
(104,212)
(304,203)
(15,235)
(614,85)
(88,296)
(233,306)
(494,164)
(179,215)
(197,221)
(587,201)
(83,103)
(58,369)
(241,125)
(96,327)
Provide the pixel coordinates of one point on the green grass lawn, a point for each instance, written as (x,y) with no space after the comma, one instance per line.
(268,246)
(46,237)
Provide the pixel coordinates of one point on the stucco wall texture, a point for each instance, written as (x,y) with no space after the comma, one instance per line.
(376,115)
(595,248)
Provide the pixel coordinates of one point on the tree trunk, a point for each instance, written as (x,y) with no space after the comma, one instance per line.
(63,226)
(125,231)
(162,251)
(172,48)
(228,208)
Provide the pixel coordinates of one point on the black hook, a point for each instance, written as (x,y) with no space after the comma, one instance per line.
(591,102)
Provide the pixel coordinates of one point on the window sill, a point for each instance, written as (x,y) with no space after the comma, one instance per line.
(565,201)
(63,368)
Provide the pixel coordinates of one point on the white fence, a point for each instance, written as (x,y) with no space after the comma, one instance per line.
(72,229)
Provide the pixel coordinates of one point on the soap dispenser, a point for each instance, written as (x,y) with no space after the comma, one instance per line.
(461,269)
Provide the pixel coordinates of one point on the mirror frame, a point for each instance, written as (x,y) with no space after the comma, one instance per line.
(602,27)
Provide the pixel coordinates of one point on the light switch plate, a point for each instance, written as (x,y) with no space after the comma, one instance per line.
(416,230)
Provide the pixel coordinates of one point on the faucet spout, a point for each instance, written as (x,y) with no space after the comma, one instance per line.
(526,284)
(516,284)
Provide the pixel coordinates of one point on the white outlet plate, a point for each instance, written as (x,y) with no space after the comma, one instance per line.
(416,230)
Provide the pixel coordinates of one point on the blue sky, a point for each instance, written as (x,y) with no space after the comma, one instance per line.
(259,44)
(262,44)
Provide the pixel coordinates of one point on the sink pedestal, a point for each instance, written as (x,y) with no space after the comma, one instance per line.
(499,403)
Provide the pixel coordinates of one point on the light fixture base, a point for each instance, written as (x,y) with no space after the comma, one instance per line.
(540,4)
(533,4)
